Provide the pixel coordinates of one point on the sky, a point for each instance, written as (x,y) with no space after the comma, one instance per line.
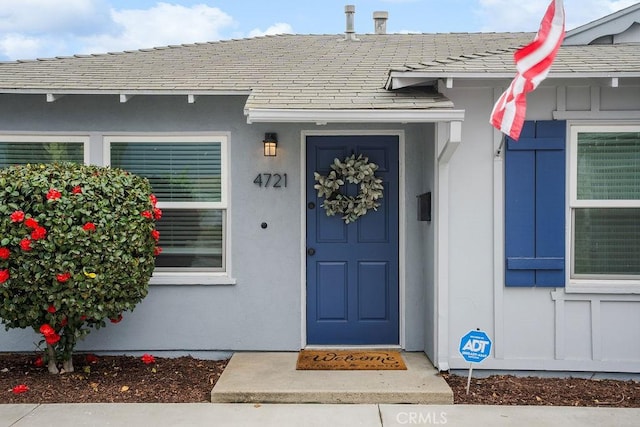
(32,29)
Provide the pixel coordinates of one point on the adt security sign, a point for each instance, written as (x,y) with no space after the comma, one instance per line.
(475,346)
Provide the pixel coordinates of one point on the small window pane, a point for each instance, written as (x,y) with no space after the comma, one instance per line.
(191,238)
(609,166)
(607,241)
(20,153)
(178,172)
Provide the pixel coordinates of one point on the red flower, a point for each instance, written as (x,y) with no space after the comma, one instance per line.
(157,213)
(52,339)
(46,330)
(89,226)
(4,253)
(21,388)
(63,277)
(153,199)
(64,322)
(146,214)
(157,251)
(77,190)
(4,276)
(39,362)
(148,359)
(83,318)
(91,358)
(25,244)
(116,319)
(155,234)
(39,233)
(53,194)
(51,309)
(31,223)
(17,216)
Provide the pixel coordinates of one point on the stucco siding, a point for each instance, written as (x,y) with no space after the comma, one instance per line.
(263,310)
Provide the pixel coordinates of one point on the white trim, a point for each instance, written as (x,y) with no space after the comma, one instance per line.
(188,276)
(258,115)
(452,143)
(51,137)
(592,283)
(498,243)
(191,278)
(402,224)
(441,264)
(57,94)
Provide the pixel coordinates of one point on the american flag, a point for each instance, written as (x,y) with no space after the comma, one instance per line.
(533,62)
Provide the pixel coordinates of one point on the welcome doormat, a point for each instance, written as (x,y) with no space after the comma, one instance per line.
(349,360)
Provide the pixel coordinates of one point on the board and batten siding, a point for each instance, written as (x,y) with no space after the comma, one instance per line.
(534,322)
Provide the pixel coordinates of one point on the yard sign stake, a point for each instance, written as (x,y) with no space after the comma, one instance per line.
(475,346)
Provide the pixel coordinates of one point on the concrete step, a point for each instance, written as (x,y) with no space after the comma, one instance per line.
(268,377)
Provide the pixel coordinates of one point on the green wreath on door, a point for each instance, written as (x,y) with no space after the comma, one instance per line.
(353,170)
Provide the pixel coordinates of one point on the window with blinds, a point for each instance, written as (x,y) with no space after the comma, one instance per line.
(14,152)
(606,204)
(186,175)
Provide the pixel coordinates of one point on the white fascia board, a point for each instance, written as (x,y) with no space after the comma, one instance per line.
(400,79)
(59,93)
(259,115)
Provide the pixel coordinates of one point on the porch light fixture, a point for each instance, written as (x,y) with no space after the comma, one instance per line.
(270,143)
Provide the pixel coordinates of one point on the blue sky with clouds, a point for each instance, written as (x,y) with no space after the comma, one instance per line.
(47,28)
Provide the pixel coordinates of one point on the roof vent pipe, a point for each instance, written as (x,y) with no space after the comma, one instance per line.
(380,22)
(350,32)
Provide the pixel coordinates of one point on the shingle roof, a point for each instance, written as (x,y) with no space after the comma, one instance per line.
(300,71)
(285,71)
(619,58)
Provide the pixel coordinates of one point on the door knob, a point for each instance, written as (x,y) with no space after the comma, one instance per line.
(311,252)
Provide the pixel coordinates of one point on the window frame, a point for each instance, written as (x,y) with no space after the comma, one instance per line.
(189,275)
(50,137)
(601,283)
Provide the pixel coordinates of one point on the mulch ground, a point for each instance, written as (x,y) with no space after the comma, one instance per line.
(107,379)
(512,390)
(188,380)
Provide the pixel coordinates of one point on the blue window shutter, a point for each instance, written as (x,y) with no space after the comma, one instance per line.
(535,205)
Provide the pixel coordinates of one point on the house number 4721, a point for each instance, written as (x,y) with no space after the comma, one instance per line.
(273,180)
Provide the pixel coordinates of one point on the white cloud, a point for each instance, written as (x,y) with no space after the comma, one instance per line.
(279,28)
(45,28)
(19,46)
(53,16)
(163,24)
(509,15)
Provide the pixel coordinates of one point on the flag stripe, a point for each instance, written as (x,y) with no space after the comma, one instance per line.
(533,63)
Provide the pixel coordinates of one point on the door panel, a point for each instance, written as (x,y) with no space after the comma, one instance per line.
(352,269)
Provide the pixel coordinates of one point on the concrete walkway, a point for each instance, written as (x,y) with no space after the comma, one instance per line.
(311,415)
(268,377)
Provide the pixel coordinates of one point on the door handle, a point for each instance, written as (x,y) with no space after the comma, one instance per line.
(311,252)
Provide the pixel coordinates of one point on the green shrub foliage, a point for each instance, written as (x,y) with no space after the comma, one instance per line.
(77,248)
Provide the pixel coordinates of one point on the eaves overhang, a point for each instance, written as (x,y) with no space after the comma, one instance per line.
(403,79)
(124,94)
(321,117)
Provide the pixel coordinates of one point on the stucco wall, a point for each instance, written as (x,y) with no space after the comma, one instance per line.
(532,328)
(263,309)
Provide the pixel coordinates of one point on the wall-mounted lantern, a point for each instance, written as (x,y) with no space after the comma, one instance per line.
(270,144)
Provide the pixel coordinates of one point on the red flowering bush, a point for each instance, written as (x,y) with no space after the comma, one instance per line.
(77,247)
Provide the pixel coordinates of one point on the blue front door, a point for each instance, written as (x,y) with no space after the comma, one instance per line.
(352,269)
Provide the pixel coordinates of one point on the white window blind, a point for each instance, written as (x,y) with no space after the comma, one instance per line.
(178,171)
(186,175)
(606,224)
(17,153)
